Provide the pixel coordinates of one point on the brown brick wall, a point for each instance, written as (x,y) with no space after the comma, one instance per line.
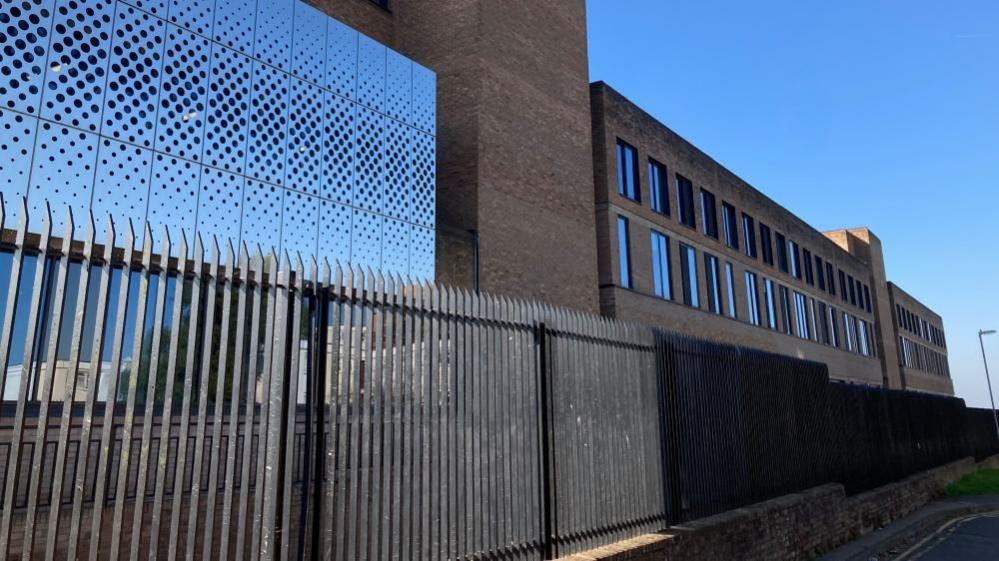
(797,526)
(514,152)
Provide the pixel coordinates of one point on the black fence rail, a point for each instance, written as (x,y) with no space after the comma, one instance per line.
(268,409)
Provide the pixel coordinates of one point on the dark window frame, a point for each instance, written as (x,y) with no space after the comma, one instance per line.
(709,218)
(685,211)
(632,189)
(658,193)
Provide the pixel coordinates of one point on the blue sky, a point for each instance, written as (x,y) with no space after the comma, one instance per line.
(849,113)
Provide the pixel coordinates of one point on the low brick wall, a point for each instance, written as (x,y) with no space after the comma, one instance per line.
(797,526)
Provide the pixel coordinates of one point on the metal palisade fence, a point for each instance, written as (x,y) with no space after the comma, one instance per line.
(167,400)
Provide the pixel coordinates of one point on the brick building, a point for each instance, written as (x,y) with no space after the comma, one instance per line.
(533,202)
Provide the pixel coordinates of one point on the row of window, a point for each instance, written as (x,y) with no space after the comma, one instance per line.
(789,257)
(915,324)
(807,318)
(920,357)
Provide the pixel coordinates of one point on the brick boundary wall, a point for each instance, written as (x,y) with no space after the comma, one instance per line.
(797,526)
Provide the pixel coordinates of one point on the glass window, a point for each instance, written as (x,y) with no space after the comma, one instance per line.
(848,331)
(730,274)
(624,251)
(834,327)
(843,291)
(627,171)
(688,263)
(785,307)
(709,214)
(792,249)
(853,289)
(713,283)
(749,234)
(766,244)
(806,257)
(771,303)
(801,314)
(752,298)
(685,201)
(862,338)
(867,299)
(823,324)
(781,244)
(731,229)
(659,187)
(820,273)
(832,281)
(661,274)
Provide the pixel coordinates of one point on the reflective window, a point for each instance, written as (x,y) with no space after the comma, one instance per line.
(821,314)
(771,303)
(781,245)
(731,229)
(792,249)
(801,314)
(627,171)
(752,298)
(766,244)
(685,201)
(713,283)
(624,251)
(730,275)
(820,273)
(688,263)
(658,187)
(829,276)
(833,327)
(709,214)
(843,290)
(749,234)
(806,258)
(661,274)
(785,309)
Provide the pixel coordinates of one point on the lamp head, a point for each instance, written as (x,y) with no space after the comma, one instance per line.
(989,332)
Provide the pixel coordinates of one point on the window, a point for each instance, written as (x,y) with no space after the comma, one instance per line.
(849,330)
(627,171)
(766,244)
(834,327)
(829,276)
(661,274)
(624,251)
(860,294)
(771,303)
(659,187)
(685,201)
(820,273)
(853,289)
(688,263)
(862,338)
(781,244)
(785,308)
(801,314)
(792,248)
(384,4)
(709,214)
(752,298)
(867,299)
(820,319)
(843,292)
(731,229)
(730,275)
(713,283)
(806,257)
(749,234)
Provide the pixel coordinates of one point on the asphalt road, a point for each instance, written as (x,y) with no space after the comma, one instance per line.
(975,538)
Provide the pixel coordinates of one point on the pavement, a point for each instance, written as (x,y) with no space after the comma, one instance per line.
(957,529)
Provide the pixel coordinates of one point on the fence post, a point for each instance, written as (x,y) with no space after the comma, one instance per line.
(548,525)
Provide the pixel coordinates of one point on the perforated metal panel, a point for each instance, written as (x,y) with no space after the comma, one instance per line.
(220,203)
(181,124)
(17,145)
(300,224)
(121,188)
(421,252)
(398,85)
(423,114)
(338,149)
(335,223)
(366,240)
(262,207)
(173,195)
(369,160)
(423,169)
(397,183)
(24,35)
(63,172)
(263,121)
(134,79)
(308,58)
(341,59)
(371,73)
(194,15)
(268,124)
(234,21)
(77,69)
(395,245)
(274,31)
(305,138)
(228,120)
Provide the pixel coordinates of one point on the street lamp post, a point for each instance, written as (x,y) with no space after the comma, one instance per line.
(981,341)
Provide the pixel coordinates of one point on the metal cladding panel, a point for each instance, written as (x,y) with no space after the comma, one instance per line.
(264,122)
(24,35)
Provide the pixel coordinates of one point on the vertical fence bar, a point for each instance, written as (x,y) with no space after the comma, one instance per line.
(296,291)
(546,460)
